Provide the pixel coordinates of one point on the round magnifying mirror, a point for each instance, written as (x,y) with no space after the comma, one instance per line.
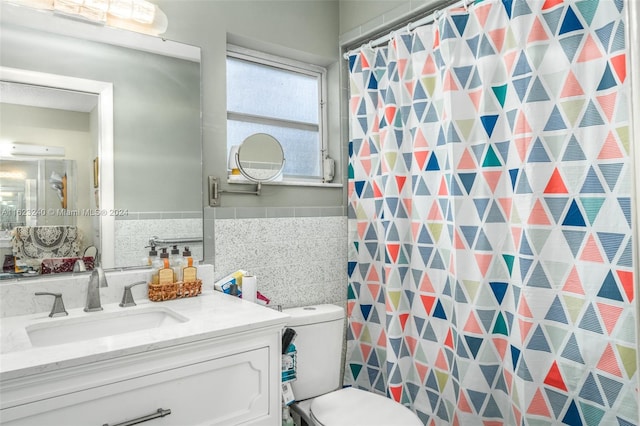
(260,158)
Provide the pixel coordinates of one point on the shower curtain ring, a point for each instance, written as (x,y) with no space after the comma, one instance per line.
(436,14)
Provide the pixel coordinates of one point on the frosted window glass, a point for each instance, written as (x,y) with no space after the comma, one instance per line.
(257,89)
(301,147)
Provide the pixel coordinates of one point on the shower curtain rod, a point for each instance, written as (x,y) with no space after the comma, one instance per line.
(410,27)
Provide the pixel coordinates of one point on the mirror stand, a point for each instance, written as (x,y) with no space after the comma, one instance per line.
(259,158)
(214,191)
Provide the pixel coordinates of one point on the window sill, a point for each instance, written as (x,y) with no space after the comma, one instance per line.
(299,182)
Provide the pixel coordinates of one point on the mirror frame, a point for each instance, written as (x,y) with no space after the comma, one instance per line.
(104,91)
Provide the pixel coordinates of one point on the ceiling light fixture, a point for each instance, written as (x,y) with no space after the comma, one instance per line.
(135,15)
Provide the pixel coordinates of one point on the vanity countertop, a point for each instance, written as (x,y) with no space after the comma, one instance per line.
(210,315)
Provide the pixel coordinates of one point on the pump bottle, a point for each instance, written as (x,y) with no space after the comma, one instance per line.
(188,270)
(175,263)
(158,264)
(153,255)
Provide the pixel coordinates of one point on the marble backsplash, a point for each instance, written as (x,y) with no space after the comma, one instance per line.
(17,296)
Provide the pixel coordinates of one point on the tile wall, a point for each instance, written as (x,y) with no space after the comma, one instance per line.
(299,255)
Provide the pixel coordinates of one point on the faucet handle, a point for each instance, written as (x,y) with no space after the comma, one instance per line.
(57,310)
(127,297)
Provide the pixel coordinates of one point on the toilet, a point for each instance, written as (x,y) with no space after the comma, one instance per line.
(319,400)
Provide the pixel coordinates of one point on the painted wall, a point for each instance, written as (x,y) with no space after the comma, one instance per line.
(303,30)
(354,13)
(363,20)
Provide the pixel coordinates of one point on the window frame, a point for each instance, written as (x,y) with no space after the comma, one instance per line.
(287,64)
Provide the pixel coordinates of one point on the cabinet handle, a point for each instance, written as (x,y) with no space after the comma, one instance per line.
(161,412)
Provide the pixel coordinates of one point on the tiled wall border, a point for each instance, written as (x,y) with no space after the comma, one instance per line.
(271,212)
(160,215)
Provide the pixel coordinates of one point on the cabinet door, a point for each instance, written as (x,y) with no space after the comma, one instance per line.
(224,391)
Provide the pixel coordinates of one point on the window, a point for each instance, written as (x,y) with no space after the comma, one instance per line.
(280,97)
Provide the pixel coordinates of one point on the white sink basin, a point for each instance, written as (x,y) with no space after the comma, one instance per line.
(101,324)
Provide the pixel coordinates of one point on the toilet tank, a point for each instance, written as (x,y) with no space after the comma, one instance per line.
(318,342)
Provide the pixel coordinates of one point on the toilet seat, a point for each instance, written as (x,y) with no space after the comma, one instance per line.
(355,407)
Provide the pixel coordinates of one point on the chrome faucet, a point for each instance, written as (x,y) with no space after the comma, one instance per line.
(57,310)
(127,297)
(97,280)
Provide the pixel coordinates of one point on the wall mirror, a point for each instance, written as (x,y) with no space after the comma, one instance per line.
(260,158)
(138,169)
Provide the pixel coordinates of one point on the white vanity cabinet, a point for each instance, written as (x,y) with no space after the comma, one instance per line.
(232,379)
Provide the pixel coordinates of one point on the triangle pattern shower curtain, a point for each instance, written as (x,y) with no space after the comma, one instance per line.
(491,253)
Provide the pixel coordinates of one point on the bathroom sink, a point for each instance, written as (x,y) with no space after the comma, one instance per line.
(102,324)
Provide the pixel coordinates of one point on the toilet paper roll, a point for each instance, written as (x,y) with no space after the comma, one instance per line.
(249,288)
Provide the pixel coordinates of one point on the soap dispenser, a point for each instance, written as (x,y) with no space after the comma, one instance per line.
(153,255)
(159,264)
(175,263)
(188,270)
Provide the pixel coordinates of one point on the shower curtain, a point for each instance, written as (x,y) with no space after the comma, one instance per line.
(491,258)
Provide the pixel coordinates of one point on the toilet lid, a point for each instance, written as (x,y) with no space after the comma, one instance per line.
(355,407)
